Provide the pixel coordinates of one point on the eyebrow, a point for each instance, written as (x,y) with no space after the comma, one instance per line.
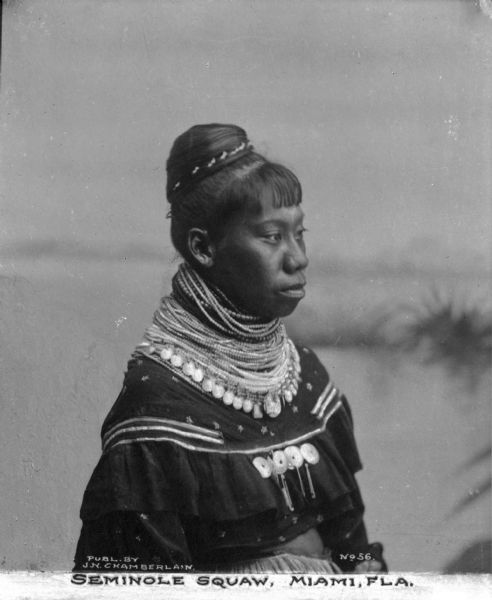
(279,222)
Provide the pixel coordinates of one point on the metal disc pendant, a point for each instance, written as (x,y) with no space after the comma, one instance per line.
(198,375)
(288,396)
(228,398)
(166,353)
(310,454)
(177,360)
(294,457)
(208,384)
(279,462)
(188,368)
(263,467)
(237,403)
(272,405)
(257,412)
(218,391)
(247,405)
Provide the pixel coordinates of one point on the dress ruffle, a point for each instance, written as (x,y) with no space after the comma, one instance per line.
(222,485)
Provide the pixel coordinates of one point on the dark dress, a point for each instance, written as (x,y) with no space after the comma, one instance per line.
(184,480)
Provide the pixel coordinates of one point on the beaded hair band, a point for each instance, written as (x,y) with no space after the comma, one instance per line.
(216,160)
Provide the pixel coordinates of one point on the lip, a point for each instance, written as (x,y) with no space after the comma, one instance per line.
(294,291)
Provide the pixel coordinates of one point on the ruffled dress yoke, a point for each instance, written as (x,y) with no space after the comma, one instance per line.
(184,479)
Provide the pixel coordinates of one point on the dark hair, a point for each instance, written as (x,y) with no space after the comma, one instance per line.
(212,174)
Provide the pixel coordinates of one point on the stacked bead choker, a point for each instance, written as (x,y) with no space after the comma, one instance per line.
(237,358)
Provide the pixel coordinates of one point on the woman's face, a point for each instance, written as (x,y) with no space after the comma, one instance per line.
(260,261)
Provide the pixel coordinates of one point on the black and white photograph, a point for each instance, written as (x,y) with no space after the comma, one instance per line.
(246,298)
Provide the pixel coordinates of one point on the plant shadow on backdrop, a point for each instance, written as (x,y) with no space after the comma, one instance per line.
(449,331)
(446,330)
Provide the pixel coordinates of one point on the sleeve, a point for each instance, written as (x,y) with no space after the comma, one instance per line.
(345,534)
(355,549)
(145,541)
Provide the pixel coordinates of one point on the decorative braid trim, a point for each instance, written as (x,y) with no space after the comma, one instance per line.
(215,160)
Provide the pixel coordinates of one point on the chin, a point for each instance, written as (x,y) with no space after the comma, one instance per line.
(287,312)
(283,311)
(276,309)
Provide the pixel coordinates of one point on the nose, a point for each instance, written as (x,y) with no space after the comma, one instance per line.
(295,258)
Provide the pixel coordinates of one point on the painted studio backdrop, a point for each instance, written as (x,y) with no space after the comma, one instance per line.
(382,108)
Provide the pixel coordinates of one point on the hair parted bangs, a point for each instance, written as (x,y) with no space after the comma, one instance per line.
(248,183)
(259,180)
(236,189)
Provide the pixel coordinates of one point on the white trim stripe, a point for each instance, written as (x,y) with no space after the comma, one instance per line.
(164,422)
(334,408)
(163,439)
(322,397)
(327,401)
(157,428)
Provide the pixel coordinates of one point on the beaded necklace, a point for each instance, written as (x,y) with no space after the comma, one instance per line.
(202,337)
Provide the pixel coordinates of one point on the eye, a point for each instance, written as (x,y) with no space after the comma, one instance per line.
(300,234)
(274,236)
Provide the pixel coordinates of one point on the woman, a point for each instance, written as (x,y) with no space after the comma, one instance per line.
(229,448)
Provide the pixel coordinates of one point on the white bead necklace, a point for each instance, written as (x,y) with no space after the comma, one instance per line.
(257,373)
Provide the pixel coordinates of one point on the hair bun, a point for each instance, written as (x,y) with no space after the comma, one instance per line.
(201,151)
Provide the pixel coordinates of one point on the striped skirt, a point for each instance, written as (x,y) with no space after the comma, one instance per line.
(281,563)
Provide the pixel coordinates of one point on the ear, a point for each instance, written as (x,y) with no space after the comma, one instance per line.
(200,247)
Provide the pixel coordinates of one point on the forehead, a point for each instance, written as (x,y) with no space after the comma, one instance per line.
(267,211)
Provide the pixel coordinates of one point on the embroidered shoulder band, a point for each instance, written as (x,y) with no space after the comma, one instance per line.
(155,429)
(202,439)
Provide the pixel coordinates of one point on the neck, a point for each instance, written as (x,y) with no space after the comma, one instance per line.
(209,304)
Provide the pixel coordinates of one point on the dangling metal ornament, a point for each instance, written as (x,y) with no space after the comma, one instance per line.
(291,457)
(311,456)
